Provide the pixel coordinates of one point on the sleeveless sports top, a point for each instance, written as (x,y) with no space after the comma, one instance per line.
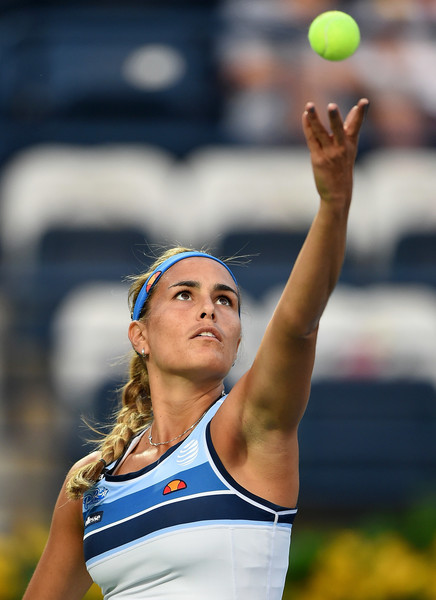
(183,529)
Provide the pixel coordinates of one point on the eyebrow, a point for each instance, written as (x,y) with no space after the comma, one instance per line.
(218,287)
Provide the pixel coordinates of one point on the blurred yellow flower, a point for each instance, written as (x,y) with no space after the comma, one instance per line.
(19,553)
(361,567)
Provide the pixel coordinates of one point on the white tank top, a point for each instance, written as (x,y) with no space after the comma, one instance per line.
(183,529)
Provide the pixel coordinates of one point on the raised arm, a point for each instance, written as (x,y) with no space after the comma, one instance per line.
(279,381)
(269,401)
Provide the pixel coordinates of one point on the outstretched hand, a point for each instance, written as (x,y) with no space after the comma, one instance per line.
(333,153)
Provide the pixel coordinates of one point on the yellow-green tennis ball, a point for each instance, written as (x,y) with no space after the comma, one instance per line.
(334,35)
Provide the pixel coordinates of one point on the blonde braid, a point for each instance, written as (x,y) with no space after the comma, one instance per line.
(134,415)
(136,410)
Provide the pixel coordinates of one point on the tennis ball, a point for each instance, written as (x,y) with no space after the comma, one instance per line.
(334,35)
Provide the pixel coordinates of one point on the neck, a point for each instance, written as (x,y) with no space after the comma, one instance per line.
(175,411)
(178,437)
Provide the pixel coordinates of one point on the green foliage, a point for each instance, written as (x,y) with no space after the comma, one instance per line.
(390,557)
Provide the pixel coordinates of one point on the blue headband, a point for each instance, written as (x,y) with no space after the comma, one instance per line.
(160,270)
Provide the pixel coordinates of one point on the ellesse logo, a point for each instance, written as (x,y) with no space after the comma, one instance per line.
(94,518)
(174,486)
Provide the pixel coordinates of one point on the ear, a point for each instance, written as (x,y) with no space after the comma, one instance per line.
(138,337)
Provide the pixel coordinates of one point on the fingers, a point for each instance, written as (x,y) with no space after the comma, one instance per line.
(313,128)
(336,124)
(355,117)
(307,128)
(315,131)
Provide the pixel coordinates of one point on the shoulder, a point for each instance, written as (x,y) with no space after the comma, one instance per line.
(84,461)
(80,474)
(80,464)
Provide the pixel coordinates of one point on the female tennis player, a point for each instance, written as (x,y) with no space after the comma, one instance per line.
(193,493)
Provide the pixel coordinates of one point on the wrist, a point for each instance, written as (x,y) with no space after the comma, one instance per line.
(336,207)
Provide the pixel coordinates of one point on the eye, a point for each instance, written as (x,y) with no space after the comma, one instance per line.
(183,295)
(224,300)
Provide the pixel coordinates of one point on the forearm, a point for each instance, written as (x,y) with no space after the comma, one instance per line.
(319,263)
(316,271)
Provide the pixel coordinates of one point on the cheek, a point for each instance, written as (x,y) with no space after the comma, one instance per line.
(237,336)
(161,332)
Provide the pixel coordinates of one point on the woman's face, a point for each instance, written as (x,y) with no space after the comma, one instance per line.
(193,327)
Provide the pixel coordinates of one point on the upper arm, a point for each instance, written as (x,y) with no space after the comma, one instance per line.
(270,399)
(61,571)
(277,386)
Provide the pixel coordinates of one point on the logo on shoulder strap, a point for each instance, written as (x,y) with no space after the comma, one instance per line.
(94,497)
(94,518)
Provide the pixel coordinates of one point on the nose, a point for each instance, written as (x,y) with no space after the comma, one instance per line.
(204,315)
(208,310)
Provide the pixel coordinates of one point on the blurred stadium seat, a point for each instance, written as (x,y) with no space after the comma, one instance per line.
(73,61)
(89,342)
(267,256)
(263,244)
(68,258)
(368,444)
(414,258)
(81,74)
(378,331)
(108,186)
(234,188)
(73,214)
(402,199)
(229,190)
(3,350)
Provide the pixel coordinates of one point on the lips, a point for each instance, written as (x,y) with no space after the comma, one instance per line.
(208,333)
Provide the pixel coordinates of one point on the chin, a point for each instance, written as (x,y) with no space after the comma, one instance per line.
(212,369)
